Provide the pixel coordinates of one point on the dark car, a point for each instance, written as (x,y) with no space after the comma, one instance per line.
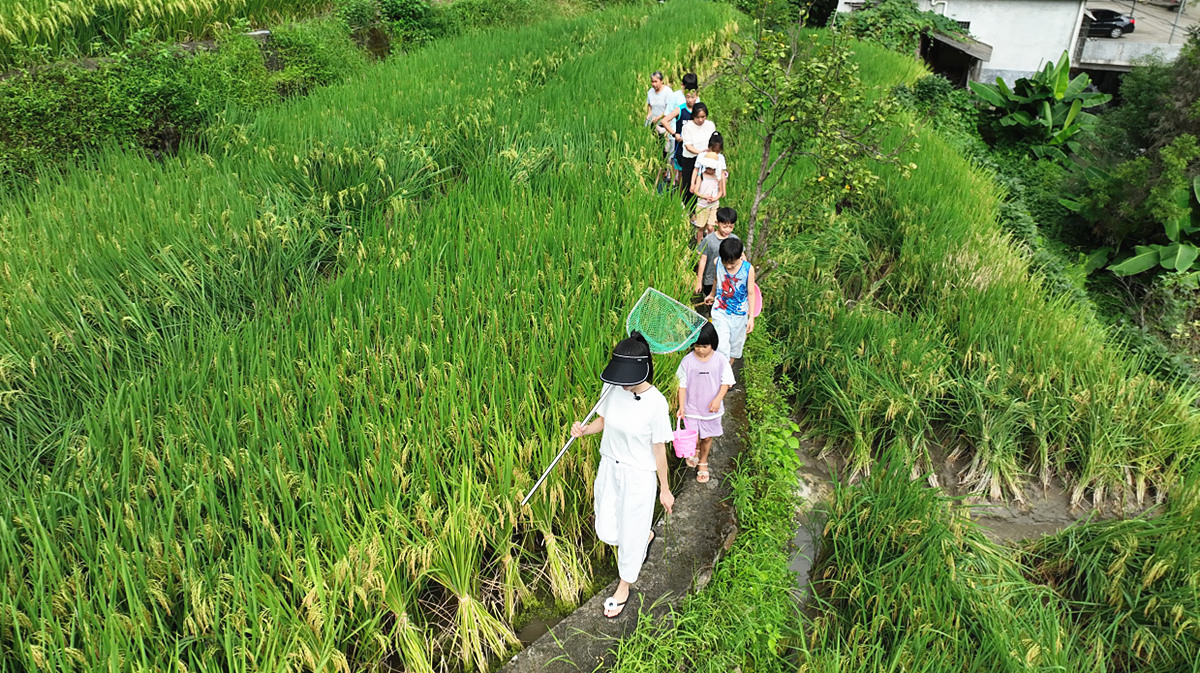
(1108,23)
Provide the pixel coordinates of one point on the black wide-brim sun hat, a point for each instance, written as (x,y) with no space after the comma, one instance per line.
(626,370)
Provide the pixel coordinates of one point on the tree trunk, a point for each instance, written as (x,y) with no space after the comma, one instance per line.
(764,172)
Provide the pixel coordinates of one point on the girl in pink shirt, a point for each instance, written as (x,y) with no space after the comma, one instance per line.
(704,377)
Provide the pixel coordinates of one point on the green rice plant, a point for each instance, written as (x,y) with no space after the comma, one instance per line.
(912,317)
(1130,586)
(32,30)
(904,581)
(311,456)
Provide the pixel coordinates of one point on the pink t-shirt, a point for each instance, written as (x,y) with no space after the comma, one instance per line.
(703,381)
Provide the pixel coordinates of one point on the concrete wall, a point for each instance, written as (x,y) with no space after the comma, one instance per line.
(1024,34)
(1099,51)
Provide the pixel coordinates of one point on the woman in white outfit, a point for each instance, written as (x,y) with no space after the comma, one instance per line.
(635,421)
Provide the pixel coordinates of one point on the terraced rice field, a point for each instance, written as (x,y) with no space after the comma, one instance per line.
(274,406)
(30,29)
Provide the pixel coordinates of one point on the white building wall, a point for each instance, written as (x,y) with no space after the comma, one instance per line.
(1024,34)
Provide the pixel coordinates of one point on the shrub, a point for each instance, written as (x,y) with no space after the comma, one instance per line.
(413,21)
(896,24)
(312,54)
(144,98)
(943,106)
(358,14)
(234,73)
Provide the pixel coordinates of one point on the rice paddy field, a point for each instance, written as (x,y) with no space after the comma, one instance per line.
(902,328)
(272,406)
(33,30)
(914,322)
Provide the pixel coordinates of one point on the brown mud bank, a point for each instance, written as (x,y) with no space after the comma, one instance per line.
(1045,510)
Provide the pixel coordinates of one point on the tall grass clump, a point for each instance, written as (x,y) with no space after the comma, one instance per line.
(905,581)
(915,321)
(1131,587)
(316,463)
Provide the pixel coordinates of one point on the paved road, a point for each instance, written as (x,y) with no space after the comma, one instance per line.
(1153,23)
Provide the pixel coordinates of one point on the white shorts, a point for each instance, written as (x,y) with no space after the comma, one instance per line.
(731,333)
(624,504)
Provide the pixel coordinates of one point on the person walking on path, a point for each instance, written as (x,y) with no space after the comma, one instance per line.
(708,184)
(659,100)
(634,420)
(678,114)
(710,251)
(732,314)
(704,378)
(694,138)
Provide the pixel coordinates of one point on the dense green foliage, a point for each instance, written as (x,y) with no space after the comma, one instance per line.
(1136,183)
(241,428)
(156,97)
(895,24)
(1045,112)
(34,31)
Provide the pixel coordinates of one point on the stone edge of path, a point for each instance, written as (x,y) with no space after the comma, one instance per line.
(699,532)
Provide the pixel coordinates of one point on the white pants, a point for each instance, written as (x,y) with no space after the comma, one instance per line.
(731,333)
(624,513)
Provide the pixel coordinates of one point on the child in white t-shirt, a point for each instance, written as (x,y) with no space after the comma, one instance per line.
(708,184)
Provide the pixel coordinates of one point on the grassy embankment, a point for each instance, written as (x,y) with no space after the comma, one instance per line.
(35,30)
(914,322)
(273,407)
(894,315)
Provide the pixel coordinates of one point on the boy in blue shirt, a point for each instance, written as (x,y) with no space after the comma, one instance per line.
(732,314)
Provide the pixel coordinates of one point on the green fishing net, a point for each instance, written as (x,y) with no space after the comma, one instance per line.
(668,325)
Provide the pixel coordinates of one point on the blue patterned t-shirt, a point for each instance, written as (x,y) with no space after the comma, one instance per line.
(733,291)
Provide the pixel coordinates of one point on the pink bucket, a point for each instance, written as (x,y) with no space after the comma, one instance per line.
(684,441)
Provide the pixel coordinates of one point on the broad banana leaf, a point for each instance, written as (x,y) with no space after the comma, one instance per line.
(989,93)
(1144,259)
(1182,221)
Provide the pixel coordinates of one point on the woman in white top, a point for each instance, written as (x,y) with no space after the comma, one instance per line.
(659,99)
(634,420)
(694,137)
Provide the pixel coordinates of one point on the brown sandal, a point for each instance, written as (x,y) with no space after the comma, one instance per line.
(702,473)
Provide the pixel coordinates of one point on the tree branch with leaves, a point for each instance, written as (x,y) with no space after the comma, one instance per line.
(807,103)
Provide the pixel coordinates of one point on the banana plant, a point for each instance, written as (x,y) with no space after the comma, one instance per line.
(1179,255)
(1048,108)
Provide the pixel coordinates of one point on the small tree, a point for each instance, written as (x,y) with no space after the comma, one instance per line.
(803,92)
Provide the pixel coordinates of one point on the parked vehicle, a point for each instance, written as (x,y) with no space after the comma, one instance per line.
(1109,23)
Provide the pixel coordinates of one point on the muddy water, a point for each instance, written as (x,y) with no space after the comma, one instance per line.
(535,629)
(814,485)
